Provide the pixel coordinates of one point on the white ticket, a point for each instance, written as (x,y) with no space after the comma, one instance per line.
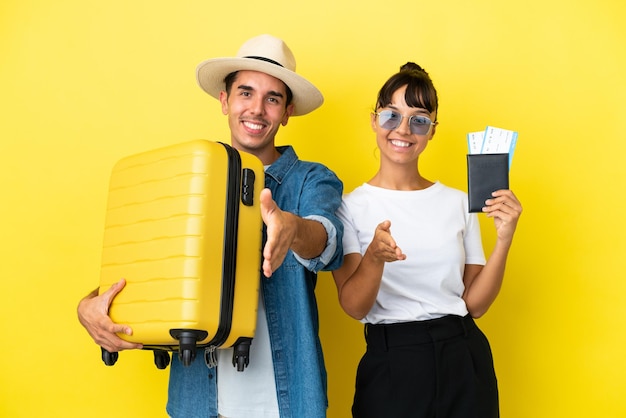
(492,141)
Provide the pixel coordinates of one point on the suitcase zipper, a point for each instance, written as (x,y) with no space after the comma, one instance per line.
(229,264)
(210,357)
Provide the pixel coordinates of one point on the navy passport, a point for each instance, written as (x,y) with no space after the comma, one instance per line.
(486,173)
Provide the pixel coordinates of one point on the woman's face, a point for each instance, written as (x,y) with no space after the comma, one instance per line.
(400,145)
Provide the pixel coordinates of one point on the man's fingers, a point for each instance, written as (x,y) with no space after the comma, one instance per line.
(384,226)
(267,268)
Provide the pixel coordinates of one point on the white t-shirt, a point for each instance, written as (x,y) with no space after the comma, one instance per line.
(252,392)
(437,234)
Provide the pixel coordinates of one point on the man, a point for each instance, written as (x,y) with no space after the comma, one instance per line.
(258,91)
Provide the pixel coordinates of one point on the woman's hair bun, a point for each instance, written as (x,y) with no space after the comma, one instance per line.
(411,66)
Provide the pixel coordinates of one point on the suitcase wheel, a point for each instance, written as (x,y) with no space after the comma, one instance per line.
(187,339)
(241,363)
(108,358)
(161,359)
(186,356)
(241,354)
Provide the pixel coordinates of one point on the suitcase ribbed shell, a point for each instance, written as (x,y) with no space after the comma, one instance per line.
(164,233)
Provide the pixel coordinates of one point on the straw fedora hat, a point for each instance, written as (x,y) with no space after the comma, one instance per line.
(266,54)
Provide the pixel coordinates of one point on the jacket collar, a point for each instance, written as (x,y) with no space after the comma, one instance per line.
(279,169)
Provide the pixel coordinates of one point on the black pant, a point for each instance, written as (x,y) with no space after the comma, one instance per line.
(440,368)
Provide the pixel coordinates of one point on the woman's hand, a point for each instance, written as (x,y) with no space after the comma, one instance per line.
(505,210)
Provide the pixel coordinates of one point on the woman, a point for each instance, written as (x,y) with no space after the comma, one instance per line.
(418,288)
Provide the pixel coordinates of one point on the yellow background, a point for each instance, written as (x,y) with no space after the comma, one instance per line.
(84,83)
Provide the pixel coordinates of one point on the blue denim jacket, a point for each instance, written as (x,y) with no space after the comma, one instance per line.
(309,190)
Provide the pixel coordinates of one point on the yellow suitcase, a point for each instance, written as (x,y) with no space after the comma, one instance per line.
(183,228)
